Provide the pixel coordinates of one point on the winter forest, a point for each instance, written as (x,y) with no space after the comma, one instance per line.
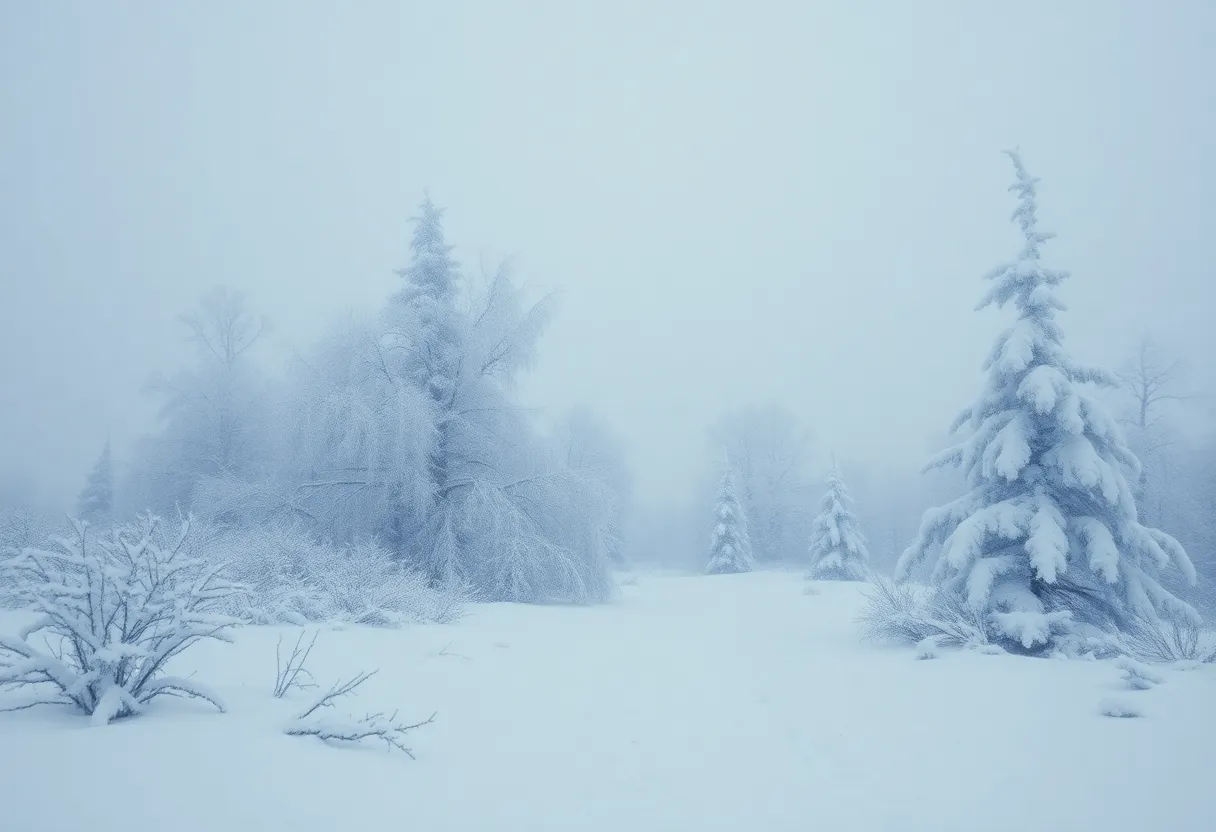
(526,467)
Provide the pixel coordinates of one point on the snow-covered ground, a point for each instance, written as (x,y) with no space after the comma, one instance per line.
(699,703)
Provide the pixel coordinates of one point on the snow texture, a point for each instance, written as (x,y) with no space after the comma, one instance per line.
(730,549)
(838,549)
(1047,536)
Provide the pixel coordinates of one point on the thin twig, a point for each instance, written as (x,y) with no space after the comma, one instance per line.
(293,674)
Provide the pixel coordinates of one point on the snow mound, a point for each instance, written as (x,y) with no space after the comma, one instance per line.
(1119,709)
(927,648)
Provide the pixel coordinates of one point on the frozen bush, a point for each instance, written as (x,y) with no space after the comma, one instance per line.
(112,610)
(908,613)
(295,579)
(20,527)
(1170,639)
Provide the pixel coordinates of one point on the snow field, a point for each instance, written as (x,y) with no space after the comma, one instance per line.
(731,702)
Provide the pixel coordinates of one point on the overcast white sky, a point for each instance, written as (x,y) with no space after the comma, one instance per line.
(740,202)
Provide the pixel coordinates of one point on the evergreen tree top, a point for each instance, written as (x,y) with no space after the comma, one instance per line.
(432,271)
(97,498)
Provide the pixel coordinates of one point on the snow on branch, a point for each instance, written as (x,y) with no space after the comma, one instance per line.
(317,721)
(112,610)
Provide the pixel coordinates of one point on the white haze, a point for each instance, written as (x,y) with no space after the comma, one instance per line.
(739,203)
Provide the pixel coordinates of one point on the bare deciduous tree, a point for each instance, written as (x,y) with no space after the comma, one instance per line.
(1154,383)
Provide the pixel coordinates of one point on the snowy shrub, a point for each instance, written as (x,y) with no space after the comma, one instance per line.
(1170,640)
(112,610)
(1119,709)
(20,527)
(294,579)
(895,612)
(907,613)
(811,590)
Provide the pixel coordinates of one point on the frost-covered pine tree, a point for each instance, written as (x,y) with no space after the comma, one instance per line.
(96,501)
(424,342)
(838,549)
(428,300)
(730,549)
(1047,535)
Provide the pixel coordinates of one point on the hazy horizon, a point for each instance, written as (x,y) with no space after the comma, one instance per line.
(737,204)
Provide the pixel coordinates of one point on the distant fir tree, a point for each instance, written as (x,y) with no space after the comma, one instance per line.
(730,549)
(1047,538)
(838,548)
(432,285)
(96,501)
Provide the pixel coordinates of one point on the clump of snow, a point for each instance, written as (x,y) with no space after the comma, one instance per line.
(811,590)
(1119,708)
(927,648)
(1138,675)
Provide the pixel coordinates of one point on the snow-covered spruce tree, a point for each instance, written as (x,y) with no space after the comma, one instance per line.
(1047,535)
(423,341)
(96,501)
(730,550)
(838,549)
(111,610)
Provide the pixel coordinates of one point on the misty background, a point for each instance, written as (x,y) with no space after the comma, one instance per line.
(737,205)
